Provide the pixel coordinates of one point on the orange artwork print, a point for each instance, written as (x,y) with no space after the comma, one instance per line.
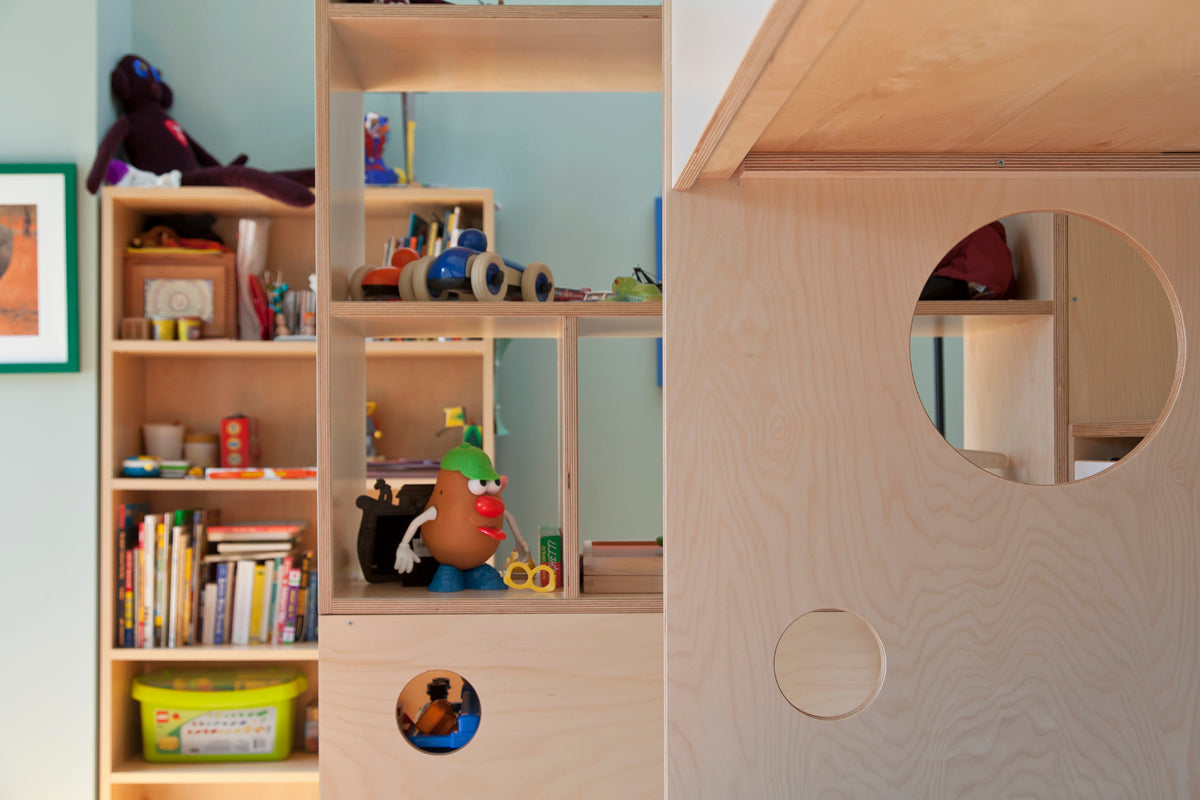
(18,271)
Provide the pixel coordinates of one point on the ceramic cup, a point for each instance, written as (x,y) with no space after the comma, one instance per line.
(201,450)
(163,441)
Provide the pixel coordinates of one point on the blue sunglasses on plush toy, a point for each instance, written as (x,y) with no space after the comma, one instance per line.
(144,70)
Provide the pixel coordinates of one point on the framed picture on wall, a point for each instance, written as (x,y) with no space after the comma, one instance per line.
(38,301)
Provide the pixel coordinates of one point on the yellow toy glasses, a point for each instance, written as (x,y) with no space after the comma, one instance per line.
(527,570)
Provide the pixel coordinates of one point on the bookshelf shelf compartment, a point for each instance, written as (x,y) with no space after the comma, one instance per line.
(210,485)
(226,348)
(214,348)
(510,320)
(298,768)
(390,598)
(303,651)
(1115,429)
(952,317)
(496,48)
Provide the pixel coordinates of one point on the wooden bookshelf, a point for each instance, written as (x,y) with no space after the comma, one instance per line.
(299,768)
(197,382)
(379,631)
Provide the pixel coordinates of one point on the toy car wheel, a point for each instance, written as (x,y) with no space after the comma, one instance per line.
(537,284)
(407,291)
(420,281)
(356,290)
(487,276)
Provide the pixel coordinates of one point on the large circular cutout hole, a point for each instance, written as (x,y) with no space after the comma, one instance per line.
(438,711)
(1044,347)
(830,664)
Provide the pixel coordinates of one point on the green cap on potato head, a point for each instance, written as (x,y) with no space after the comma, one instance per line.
(471,462)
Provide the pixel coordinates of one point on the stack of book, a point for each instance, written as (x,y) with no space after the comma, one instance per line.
(183,579)
(621,567)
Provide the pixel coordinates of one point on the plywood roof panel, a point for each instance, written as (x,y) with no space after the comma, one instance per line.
(1022,76)
(971,76)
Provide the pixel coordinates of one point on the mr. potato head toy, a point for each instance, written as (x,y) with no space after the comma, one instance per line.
(462,524)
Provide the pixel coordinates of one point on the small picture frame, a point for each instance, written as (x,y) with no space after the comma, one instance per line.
(38,300)
(183,285)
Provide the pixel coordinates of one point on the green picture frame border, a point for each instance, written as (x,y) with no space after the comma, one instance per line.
(71,223)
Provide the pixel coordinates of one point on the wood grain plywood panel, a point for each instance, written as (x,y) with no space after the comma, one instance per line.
(1008,396)
(1041,641)
(411,394)
(1122,332)
(571,706)
(947,76)
(499,49)
(205,791)
(341,470)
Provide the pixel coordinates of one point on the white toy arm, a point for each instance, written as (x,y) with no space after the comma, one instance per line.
(522,547)
(405,557)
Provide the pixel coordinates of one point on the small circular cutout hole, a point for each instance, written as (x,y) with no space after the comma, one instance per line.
(830,664)
(438,712)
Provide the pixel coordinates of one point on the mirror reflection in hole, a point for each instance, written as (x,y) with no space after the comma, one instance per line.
(984,339)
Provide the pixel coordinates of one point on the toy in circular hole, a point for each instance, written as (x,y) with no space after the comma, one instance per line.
(442,724)
(461,524)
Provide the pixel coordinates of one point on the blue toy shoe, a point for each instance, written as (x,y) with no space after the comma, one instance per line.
(484,576)
(447,579)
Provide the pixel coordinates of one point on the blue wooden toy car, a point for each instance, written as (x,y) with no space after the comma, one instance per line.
(470,269)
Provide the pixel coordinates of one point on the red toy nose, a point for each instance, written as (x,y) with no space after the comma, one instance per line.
(489,506)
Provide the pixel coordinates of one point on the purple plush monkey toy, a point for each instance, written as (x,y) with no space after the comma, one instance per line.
(157,144)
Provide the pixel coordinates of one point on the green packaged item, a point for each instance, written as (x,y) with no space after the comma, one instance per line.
(218,715)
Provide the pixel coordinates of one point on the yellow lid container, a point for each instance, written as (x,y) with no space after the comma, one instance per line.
(218,715)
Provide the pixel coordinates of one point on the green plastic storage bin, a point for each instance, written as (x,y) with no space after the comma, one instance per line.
(218,715)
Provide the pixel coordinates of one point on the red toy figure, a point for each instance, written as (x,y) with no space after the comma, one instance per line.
(375,136)
(158,144)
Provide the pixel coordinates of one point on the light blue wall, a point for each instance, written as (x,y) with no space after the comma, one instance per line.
(242,74)
(52,111)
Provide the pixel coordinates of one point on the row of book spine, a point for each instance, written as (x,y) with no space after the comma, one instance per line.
(428,237)
(174,590)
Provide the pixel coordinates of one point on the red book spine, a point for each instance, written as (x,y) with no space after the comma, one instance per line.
(253,529)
